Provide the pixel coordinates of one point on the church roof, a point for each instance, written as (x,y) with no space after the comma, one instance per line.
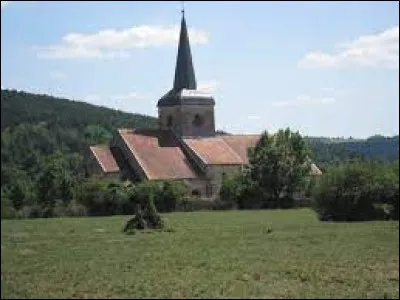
(184,71)
(157,153)
(241,143)
(213,151)
(184,89)
(105,158)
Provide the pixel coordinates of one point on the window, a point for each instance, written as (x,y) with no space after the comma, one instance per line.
(169,121)
(198,120)
(196,193)
(209,190)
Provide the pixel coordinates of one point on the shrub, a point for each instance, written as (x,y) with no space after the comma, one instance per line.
(59,209)
(352,191)
(31,211)
(231,191)
(75,209)
(194,204)
(168,197)
(7,209)
(146,215)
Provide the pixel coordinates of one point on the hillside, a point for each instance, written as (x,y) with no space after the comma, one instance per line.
(36,129)
(328,150)
(19,107)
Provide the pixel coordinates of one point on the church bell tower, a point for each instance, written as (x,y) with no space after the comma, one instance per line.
(184,109)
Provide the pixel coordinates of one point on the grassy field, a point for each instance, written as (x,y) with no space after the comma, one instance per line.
(209,254)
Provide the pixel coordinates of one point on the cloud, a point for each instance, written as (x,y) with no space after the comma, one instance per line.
(210,86)
(5,3)
(305,101)
(379,50)
(58,75)
(253,117)
(112,43)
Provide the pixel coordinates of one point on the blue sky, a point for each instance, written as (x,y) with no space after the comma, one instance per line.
(323,68)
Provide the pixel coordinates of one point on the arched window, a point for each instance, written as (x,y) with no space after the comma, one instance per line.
(196,193)
(198,120)
(169,121)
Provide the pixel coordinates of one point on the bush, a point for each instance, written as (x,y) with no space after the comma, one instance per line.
(59,209)
(352,191)
(32,211)
(146,215)
(231,191)
(188,204)
(7,209)
(168,197)
(104,198)
(75,209)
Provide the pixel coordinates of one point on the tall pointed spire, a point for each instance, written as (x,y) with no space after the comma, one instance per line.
(184,71)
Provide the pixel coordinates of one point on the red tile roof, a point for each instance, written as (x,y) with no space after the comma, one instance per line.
(241,143)
(223,150)
(105,158)
(158,154)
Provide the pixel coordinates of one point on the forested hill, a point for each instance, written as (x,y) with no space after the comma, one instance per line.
(21,107)
(328,150)
(39,133)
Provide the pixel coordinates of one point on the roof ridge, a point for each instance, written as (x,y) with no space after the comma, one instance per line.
(136,155)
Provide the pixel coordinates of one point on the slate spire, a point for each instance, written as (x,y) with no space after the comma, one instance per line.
(184,71)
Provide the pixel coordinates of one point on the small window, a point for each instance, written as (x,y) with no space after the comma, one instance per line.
(198,120)
(209,190)
(196,193)
(169,121)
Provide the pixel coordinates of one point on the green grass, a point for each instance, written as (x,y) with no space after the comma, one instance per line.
(209,254)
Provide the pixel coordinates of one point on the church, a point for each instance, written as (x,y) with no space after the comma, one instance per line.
(185,146)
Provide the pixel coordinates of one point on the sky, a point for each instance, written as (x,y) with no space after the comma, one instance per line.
(322,68)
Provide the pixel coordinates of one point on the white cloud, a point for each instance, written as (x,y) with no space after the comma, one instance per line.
(112,43)
(305,100)
(5,3)
(379,50)
(58,75)
(209,86)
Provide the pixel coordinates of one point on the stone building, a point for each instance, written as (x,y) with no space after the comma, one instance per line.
(185,147)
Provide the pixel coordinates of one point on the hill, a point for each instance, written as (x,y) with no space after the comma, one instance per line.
(39,128)
(18,107)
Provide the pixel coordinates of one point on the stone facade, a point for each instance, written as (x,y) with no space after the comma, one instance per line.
(188,120)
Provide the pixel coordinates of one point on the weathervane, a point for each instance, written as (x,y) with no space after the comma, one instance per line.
(183,7)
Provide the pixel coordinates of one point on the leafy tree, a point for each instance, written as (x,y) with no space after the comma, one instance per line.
(231,190)
(277,166)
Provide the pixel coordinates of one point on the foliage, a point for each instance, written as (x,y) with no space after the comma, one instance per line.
(146,215)
(231,190)
(277,167)
(7,209)
(375,148)
(351,192)
(168,198)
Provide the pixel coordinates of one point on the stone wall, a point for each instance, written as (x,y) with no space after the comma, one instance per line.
(188,120)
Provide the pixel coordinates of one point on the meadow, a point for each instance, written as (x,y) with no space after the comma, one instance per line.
(235,254)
